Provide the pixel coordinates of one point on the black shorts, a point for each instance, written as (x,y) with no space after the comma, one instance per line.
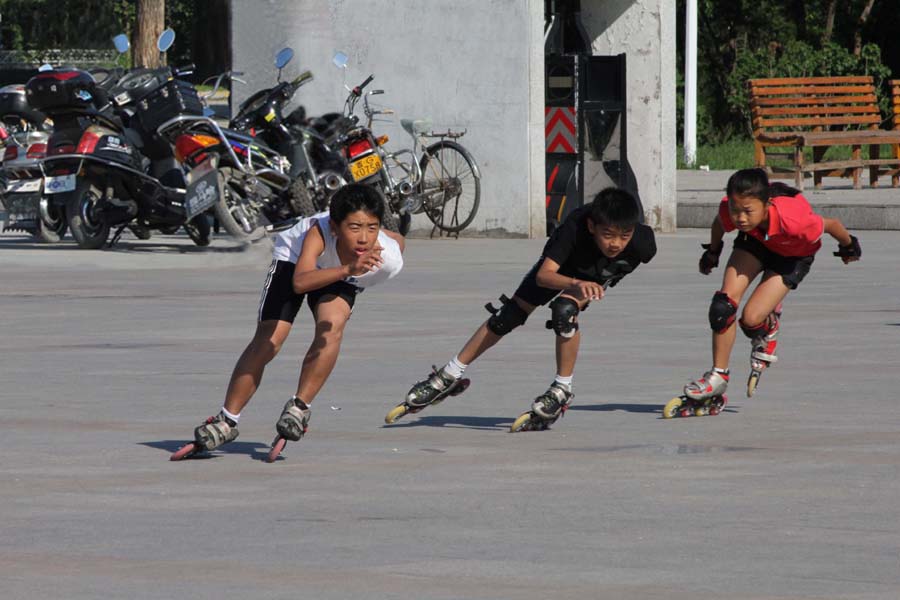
(791,268)
(531,292)
(280,302)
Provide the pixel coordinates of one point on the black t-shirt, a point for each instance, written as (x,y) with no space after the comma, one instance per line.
(573,248)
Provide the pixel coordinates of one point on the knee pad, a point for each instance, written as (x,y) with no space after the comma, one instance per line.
(721,312)
(563,317)
(754,331)
(506,318)
(768,325)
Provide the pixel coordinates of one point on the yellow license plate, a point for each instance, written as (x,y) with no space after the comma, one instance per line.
(365,167)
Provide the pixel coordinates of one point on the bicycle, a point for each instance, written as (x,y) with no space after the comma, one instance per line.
(449,188)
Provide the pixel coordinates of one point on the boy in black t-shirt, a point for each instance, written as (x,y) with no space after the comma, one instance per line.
(595,247)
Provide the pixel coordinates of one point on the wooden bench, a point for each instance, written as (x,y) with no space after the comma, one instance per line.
(895,109)
(795,113)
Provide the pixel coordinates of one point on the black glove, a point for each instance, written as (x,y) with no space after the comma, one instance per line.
(850,251)
(709,260)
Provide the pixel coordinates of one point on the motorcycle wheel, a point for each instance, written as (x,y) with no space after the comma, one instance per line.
(389,220)
(169,229)
(301,202)
(198,229)
(87,224)
(234,211)
(52,225)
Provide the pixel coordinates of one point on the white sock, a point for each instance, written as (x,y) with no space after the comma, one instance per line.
(234,418)
(566,381)
(455,368)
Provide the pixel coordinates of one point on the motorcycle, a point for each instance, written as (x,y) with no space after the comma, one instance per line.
(316,170)
(253,177)
(28,208)
(368,161)
(105,163)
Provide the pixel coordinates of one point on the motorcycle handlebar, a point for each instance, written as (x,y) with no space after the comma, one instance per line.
(185,70)
(357,91)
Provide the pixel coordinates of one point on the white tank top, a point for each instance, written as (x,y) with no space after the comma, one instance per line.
(289,243)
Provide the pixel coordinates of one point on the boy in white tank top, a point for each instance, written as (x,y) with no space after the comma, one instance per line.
(329,258)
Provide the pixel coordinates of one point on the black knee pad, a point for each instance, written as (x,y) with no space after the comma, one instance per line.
(721,312)
(563,317)
(755,331)
(509,316)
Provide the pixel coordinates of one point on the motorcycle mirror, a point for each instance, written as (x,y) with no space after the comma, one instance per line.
(45,67)
(121,43)
(166,39)
(283,57)
(340,60)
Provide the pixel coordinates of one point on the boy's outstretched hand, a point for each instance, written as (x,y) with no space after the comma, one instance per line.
(851,252)
(368,261)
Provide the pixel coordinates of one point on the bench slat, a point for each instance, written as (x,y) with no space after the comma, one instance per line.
(850,164)
(810,89)
(816,110)
(814,121)
(807,100)
(794,80)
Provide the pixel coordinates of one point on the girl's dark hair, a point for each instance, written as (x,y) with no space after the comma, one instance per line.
(755,183)
(353,197)
(617,207)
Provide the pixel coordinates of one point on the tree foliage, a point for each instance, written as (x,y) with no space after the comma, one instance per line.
(745,39)
(34,25)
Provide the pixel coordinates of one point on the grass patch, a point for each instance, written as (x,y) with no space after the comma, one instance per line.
(738,154)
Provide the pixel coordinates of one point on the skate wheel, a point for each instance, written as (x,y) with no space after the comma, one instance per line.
(752,383)
(463,386)
(277,446)
(523,423)
(702,411)
(396,413)
(671,407)
(184,451)
(717,405)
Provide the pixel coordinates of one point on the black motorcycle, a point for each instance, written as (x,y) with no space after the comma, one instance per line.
(109,164)
(316,171)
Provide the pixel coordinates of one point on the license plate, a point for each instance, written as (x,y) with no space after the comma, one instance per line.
(202,194)
(24,185)
(59,183)
(365,167)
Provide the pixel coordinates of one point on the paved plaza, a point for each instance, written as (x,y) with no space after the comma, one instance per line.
(111,358)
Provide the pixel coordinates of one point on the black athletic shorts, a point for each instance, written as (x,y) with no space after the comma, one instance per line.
(531,292)
(281,303)
(791,268)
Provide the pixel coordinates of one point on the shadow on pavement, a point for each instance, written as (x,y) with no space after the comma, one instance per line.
(487,423)
(251,449)
(635,408)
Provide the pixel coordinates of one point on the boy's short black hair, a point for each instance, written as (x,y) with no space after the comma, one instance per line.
(353,197)
(617,207)
(755,183)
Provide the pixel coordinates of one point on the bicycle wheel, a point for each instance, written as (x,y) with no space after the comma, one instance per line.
(451,187)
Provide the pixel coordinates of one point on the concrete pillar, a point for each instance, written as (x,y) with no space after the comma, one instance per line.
(536,170)
(645,31)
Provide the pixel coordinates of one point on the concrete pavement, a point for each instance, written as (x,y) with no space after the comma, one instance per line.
(110,358)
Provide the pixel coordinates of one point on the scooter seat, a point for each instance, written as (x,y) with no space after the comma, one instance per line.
(416,126)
